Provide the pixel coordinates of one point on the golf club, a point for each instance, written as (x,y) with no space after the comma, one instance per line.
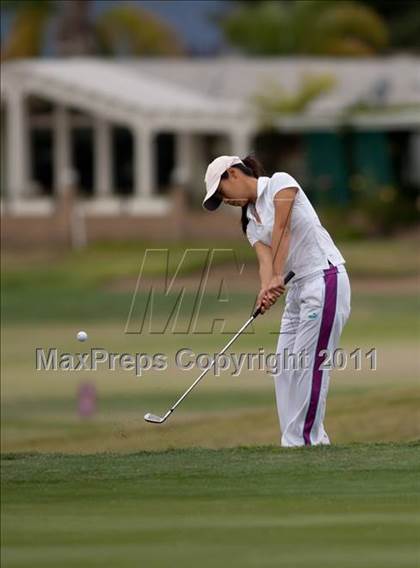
(154,419)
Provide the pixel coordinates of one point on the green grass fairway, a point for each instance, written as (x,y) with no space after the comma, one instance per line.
(211,487)
(348,506)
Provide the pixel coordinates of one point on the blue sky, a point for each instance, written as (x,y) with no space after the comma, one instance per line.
(191,19)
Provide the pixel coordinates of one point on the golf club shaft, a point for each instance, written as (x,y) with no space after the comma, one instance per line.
(186,393)
(257,312)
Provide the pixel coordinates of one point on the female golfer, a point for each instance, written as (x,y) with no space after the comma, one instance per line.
(283,227)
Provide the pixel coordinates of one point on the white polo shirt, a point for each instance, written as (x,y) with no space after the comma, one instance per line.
(311,246)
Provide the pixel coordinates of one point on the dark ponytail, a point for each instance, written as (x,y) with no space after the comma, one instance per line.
(253,168)
(244,218)
(251,163)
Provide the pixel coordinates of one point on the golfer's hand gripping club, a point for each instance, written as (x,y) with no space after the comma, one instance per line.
(154,419)
(287,279)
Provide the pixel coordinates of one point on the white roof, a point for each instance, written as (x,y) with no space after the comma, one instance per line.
(216,93)
(389,81)
(96,85)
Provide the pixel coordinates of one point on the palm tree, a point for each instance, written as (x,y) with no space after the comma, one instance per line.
(26,35)
(313,27)
(127,29)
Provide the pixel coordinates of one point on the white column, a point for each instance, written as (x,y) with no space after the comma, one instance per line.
(144,183)
(240,142)
(17,145)
(3,161)
(414,158)
(62,162)
(103,178)
(184,158)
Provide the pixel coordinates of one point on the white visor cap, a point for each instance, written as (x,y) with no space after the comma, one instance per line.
(214,172)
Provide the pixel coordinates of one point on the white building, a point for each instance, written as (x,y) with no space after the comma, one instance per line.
(191,99)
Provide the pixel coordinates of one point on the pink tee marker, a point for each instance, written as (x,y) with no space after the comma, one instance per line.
(86,400)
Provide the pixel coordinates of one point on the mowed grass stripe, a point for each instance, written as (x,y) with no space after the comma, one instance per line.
(246,506)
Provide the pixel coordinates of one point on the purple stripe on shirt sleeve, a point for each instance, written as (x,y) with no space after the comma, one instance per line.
(328,315)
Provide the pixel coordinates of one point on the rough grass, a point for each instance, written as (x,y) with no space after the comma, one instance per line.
(347,506)
(213,419)
(39,408)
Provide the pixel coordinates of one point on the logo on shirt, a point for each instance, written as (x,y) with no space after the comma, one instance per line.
(313,316)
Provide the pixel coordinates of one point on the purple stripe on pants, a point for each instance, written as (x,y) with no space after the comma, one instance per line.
(328,315)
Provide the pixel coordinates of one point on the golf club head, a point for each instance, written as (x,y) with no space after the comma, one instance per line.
(153,418)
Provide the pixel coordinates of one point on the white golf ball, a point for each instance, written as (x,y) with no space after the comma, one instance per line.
(82,336)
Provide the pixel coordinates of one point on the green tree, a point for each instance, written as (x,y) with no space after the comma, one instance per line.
(122,28)
(129,30)
(313,27)
(403,19)
(28,27)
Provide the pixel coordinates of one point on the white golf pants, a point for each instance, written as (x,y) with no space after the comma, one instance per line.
(317,307)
